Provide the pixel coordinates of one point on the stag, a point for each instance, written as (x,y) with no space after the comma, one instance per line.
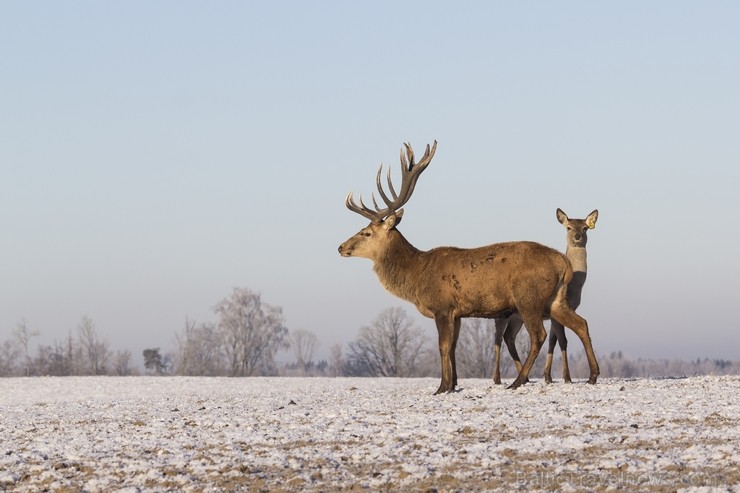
(508,328)
(449,283)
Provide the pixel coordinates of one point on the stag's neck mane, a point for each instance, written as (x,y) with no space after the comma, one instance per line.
(397,266)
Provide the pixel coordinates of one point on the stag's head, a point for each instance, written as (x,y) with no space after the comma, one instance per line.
(372,240)
(577,228)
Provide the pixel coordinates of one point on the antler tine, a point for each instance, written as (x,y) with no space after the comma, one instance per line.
(410,154)
(390,185)
(428,155)
(375,203)
(378,183)
(361,209)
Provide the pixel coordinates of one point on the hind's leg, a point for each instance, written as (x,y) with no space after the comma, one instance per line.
(557,335)
(561,312)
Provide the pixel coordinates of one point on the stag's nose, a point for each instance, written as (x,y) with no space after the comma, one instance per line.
(577,237)
(344,250)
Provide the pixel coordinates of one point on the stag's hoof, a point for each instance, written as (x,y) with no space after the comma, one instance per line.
(592,380)
(444,389)
(517,383)
(548,379)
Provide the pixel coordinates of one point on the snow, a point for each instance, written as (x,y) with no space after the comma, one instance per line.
(316,434)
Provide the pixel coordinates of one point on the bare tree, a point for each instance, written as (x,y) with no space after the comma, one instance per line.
(122,363)
(93,349)
(252,332)
(8,356)
(23,336)
(475,347)
(335,360)
(199,350)
(42,364)
(303,343)
(390,347)
(75,355)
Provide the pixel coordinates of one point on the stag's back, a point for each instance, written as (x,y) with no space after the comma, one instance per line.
(489,281)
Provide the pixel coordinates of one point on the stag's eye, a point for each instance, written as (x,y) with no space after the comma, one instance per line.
(366,233)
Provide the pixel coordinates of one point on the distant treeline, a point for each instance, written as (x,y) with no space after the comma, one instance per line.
(248,333)
(390,347)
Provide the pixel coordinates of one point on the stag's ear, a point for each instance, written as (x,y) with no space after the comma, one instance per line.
(591,219)
(393,220)
(562,217)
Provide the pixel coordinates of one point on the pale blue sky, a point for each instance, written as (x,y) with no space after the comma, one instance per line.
(154,155)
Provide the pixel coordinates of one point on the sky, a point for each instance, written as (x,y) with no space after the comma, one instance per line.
(156,155)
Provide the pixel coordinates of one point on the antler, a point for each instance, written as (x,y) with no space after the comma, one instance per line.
(410,172)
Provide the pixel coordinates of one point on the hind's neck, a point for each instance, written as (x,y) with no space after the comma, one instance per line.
(577,257)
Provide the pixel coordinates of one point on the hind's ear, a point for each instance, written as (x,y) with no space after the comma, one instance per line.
(591,219)
(562,217)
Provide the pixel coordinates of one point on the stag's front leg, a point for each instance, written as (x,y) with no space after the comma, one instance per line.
(455,337)
(446,332)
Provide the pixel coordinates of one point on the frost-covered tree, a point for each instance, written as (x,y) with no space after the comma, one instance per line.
(199,350)
(23,335)
(391,347)
(252,332)
(475,347)
(303,343)
(93,349)
(8,357)
(122,363)
(335,360)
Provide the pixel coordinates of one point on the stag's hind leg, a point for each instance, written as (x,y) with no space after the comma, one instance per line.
(537,335)
(565,315)
(506,330)
(510,335)
(501,324)
(557,336)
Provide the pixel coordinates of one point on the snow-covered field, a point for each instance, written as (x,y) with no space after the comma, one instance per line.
(320,434)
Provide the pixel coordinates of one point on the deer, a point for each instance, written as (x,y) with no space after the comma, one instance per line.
(449,283)
(508,328)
